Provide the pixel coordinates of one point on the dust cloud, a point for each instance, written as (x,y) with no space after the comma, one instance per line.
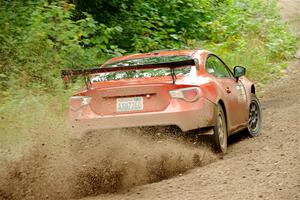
(51,167)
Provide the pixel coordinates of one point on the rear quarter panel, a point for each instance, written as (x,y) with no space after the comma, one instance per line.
(214,92)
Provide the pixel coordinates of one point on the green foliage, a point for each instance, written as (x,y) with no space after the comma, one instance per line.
(252,34)
(151,25)
(248,19)
(41,38)
(38,38)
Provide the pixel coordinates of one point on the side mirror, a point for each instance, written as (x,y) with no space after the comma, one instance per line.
(239,71)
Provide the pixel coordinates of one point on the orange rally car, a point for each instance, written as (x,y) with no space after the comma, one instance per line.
(190,89)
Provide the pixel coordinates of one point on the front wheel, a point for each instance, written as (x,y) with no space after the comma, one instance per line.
(254,120)
(220,135)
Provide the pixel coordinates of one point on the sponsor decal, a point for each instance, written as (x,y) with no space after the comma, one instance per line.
(241,93)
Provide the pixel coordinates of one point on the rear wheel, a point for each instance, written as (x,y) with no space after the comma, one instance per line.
(254,120)
(220,135)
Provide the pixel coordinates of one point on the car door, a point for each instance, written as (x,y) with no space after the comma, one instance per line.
(233,91)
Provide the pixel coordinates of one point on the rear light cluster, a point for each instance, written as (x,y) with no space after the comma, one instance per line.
(190,94)
(77,102)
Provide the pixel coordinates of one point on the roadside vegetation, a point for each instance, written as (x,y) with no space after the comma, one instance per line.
(39,38)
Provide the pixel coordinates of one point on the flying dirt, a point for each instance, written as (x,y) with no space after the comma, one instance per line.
(111,161)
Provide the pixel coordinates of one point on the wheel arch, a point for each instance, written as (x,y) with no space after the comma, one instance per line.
(249,88)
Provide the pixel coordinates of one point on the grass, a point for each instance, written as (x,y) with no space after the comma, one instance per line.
(27,116)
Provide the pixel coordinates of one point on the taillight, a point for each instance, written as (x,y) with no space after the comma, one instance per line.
(190,94)
(77,102)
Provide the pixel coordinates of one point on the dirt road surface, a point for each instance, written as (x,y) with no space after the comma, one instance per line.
(290,12)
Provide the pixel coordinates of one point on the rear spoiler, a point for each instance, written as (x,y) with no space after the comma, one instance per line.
(67,73)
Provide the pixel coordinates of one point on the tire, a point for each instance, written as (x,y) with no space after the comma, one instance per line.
(255,118)
(220,136)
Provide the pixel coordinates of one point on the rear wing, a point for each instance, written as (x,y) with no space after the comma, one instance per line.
(67,73)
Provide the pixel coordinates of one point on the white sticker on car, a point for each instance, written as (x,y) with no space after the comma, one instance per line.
(241,93)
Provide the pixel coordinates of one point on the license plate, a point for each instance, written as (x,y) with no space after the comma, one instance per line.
(130,104)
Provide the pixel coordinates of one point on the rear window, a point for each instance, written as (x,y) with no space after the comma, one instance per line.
(148,60)
(182,71)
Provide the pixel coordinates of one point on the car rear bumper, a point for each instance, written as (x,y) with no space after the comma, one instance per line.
(185,115)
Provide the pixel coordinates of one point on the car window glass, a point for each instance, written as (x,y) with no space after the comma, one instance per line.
(143,73)
(215,67)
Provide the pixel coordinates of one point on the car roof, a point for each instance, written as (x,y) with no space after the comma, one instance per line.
(155,54)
